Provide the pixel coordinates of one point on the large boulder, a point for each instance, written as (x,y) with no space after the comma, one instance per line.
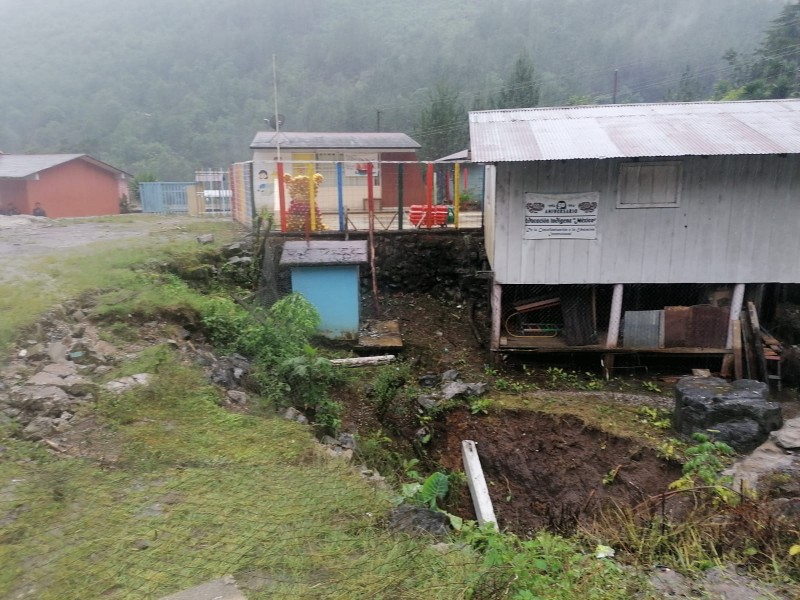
(737,413)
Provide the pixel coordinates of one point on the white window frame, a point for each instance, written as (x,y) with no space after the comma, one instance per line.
(676,164)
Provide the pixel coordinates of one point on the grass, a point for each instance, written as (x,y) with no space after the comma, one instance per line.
(178,490)
(616,418)
(52,279)
(199,492)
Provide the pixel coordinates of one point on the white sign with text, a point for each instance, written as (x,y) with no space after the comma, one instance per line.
(561,216)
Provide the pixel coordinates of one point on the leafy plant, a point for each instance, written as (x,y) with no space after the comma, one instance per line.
(655,416)
(480,406)
(651,386)
(546,566)
(427,492)
(705,465)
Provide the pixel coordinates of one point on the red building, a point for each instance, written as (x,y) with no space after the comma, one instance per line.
(64,185)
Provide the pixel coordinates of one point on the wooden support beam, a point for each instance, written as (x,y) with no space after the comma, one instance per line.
(612,339)
(755,328)
(737,349)
(497,309)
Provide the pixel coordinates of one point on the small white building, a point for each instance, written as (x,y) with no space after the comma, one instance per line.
(341,158)
(620,227)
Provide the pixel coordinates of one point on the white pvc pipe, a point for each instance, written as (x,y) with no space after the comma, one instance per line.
(481,500)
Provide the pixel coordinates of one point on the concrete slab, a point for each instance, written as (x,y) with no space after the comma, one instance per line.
(380,335)
(217,589)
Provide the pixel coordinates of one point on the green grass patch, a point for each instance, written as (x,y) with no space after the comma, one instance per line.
(71,272)
(199,492)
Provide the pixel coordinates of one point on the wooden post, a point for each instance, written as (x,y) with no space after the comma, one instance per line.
(736,307)
(456,193)
(612,339)
(429,195)
(340,194)
(758,345)
(312,211)
(737,349)
(400,196)
(371,206)
(497,309)
(282,197)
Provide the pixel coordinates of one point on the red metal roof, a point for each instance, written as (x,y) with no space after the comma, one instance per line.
(636,130)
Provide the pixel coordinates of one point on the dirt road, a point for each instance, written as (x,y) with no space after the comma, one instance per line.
(24,237)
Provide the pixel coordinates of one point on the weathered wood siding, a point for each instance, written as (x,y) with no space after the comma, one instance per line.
(737,222)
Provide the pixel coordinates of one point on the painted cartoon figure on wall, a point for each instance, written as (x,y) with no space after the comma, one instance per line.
(263,180)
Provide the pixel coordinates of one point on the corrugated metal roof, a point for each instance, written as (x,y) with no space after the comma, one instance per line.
(337,141)
(316,253)
(19,166)
(636,130)
(15,166)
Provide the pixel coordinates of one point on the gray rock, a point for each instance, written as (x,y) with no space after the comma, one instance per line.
(450,375)
(429,380)
(788,436)
(126,383)
(39,428)
(43,378)
(347,440)
(455,389)
(418,520)
(427,402)
(206,238)
(292,414)
(236,396)
(57,351)
(737,413)
(240,260)
(218,589)
(61,369)
(459,389)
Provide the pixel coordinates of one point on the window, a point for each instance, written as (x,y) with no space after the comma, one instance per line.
(649,185)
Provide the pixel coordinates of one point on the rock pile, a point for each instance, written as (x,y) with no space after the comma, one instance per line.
(737,413)
(49,378)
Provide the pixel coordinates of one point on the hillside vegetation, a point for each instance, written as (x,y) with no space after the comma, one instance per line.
(167,87)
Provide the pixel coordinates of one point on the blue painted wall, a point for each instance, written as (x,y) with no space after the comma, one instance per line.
(333,291)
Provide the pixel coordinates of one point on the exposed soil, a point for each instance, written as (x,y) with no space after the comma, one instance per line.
(551,471)
(543,470)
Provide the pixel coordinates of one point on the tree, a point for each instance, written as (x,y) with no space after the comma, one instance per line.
(689,89)
(441,128)
(774,70)
(521,89)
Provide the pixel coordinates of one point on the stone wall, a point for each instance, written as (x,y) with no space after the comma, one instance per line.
(442,263)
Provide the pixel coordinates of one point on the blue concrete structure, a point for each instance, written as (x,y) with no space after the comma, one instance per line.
(326,273)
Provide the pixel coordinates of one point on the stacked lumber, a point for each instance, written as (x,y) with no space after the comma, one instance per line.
(753,348)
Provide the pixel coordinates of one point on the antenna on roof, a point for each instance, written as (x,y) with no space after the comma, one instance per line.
(278,118)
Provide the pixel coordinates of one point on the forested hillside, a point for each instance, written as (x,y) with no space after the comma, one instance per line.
(164,87)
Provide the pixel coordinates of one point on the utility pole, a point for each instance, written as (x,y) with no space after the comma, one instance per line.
(616,80)
(378,128)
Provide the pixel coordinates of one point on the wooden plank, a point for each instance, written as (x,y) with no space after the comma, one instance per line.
(757,344)
(749,359)
(737,349)
(537,305)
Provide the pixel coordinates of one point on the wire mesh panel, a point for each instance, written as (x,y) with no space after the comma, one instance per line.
(652,316)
